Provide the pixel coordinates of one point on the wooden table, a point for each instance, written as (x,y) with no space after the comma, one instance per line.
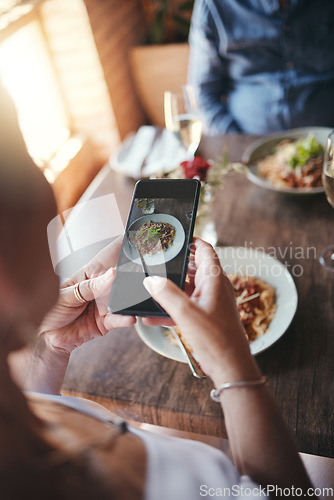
(129,378)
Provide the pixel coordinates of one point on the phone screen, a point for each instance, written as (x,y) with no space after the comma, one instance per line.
(156,242)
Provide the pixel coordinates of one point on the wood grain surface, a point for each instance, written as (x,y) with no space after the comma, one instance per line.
(129,378)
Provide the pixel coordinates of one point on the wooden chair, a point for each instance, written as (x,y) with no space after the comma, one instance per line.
(155,69)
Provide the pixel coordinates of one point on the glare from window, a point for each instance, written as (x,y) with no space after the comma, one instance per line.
(26,72)
(10,12)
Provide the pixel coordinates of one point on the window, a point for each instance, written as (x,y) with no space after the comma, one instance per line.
(27,74)
(49,65)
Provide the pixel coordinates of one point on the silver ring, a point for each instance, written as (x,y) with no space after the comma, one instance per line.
(78,295)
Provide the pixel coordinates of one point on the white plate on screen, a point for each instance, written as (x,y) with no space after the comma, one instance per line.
(263,147)
(161,257)
(243,261)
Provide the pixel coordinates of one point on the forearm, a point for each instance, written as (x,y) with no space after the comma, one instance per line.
(207,79)
(261,443)
(39,368)
(216,117)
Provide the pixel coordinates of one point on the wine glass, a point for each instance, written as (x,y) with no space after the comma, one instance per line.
(181,117)
(327,256)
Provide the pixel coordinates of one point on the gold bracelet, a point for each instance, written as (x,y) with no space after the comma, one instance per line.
(215,393)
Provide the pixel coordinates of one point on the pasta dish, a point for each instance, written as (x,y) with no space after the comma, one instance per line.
(153,237)
(294,164)
(256,303)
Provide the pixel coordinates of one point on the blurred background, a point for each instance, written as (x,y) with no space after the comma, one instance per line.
(85,73)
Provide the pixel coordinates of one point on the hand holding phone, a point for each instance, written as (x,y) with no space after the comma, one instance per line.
(157,239)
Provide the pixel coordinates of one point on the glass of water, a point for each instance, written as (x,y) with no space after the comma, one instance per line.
(181,117)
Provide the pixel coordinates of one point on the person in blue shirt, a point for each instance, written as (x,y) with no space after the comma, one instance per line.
(261,66)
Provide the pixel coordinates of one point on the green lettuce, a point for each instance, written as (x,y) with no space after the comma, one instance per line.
(305,149)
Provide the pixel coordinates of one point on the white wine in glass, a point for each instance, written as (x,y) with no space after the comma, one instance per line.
(181,117)
(327,256)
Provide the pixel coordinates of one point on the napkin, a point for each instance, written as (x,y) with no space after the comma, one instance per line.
(157,149)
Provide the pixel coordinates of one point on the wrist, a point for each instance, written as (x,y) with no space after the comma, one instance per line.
(47,363)
(232,364)
(46,368)
(231,374)
(248,383)
(45,350)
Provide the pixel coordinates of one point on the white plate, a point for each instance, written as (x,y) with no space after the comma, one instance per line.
(154,338)
(264,147)
(161,257)
(244,261)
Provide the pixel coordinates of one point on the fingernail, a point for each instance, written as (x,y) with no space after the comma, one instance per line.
(154,284)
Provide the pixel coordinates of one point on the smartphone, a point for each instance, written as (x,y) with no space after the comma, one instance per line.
(157,241)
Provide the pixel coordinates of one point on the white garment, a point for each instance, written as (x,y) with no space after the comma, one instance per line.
(178,469)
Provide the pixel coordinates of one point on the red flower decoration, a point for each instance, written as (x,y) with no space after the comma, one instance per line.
(197,167)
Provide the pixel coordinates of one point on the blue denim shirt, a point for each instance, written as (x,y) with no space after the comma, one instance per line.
(257,68)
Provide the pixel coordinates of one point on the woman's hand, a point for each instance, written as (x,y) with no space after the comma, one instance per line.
(210,323)
(72,323)
(206,314)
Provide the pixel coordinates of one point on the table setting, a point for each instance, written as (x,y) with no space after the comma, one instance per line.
(277,235)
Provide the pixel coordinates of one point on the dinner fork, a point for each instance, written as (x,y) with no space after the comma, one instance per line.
(192,362)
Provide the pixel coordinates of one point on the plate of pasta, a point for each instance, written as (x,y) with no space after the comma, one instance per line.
(288,162)
(265,293)
(159,237)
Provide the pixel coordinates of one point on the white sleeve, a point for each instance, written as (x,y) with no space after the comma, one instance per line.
(178,469)
(181,469)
